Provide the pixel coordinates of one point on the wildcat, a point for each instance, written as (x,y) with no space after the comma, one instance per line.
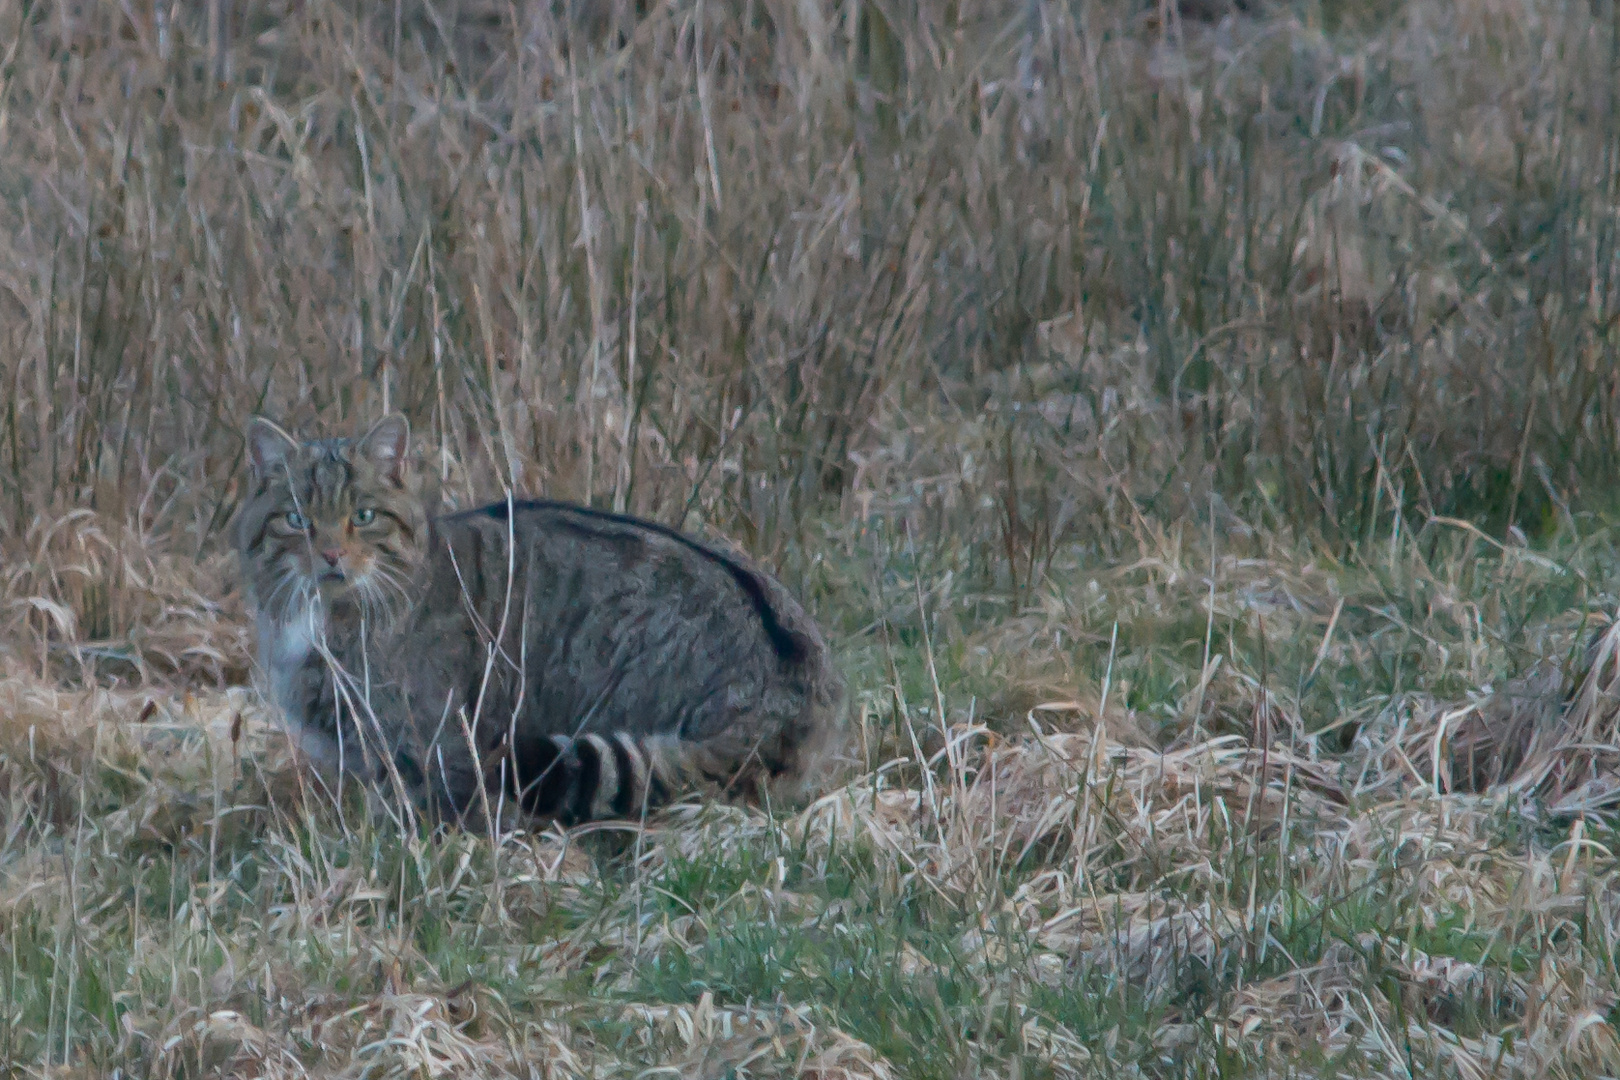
(573,663)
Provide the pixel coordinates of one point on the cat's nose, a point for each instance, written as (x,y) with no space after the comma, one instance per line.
(332,556)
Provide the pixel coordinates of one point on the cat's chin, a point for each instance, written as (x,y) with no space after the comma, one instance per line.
(343,602)
(336,589)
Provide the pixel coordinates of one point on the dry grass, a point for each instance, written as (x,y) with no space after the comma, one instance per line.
(1195,434)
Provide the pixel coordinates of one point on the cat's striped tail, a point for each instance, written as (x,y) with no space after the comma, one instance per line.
(615,775)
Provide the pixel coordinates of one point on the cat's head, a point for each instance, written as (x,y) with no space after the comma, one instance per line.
(342,519)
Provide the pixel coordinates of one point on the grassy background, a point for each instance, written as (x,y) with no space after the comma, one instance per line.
(1194,427)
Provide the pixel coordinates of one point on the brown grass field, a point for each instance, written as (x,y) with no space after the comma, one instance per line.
(1196,428)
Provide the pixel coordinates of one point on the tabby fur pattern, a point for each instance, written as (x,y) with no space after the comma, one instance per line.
(573,663)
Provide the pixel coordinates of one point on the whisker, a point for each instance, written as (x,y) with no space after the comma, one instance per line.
(287,586)
(390,588)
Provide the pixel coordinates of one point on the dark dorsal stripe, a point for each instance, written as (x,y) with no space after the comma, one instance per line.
(789,645)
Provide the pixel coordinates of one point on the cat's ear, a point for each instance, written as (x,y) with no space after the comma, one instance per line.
(268,446)
(386,445)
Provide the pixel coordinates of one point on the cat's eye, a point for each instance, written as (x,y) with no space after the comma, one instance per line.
(298,521)
(364,515)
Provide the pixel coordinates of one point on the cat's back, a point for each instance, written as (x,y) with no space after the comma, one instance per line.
(617,661)
(579,565)
(568,533)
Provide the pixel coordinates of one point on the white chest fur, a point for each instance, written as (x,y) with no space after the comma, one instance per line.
(284,646)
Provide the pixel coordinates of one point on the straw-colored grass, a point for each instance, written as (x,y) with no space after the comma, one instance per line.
(1194,425)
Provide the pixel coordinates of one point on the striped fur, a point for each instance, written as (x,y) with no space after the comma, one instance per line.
(533,656)
(616,775)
